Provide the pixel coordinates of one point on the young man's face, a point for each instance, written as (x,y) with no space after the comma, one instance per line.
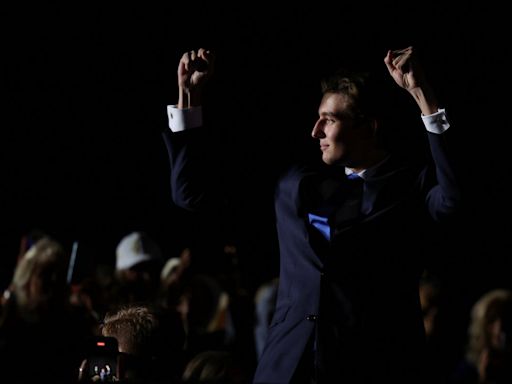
(335,129)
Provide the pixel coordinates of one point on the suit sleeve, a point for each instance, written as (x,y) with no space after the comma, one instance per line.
(192,179)
(444,198)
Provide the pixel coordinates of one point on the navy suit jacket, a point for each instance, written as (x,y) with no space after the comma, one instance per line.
(356,295)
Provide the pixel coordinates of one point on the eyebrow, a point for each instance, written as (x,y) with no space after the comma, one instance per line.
(332,114)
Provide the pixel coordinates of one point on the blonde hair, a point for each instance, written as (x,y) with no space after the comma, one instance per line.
(485,311)
(45,260)
(134,327)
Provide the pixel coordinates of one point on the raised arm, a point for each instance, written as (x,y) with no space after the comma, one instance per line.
(188,145)
(404,67)
(443,195)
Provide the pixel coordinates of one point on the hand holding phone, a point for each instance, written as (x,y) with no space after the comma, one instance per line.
(101,362)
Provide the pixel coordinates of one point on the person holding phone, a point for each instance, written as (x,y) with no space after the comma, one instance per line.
(149,342)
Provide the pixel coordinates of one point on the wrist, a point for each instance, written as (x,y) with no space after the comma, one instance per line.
(425,99)
(188,98)
(182,98)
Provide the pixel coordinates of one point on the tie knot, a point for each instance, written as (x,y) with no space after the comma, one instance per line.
(353,176)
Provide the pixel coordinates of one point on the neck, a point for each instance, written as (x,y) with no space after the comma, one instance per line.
(369,160)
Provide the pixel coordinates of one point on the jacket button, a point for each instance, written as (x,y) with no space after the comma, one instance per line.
(312,317)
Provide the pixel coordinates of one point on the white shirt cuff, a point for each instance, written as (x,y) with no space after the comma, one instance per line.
(182,119)
(436,122)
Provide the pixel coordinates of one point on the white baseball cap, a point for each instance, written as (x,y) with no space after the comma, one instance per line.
(136,248)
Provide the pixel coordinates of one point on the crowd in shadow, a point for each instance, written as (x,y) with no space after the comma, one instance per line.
(171,323)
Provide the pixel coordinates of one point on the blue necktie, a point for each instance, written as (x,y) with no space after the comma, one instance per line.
(321,223)
(349,210)
(352,205)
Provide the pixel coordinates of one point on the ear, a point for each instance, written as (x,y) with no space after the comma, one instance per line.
(370,127)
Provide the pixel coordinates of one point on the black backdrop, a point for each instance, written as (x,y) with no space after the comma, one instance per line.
(85,89)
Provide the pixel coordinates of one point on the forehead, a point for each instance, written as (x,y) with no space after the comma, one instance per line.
(334,103)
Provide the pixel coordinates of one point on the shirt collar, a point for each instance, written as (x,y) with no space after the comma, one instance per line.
(368,172)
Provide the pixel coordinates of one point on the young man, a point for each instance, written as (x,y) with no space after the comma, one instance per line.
(350,233)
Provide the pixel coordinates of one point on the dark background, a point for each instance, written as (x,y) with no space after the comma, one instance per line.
(85,93)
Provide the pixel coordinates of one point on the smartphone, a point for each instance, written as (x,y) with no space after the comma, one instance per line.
(102,359)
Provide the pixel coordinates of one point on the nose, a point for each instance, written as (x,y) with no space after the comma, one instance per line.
(318,131)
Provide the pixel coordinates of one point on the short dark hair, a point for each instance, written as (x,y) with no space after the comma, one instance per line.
(364,93)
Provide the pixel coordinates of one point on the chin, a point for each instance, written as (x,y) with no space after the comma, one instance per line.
(327,160)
